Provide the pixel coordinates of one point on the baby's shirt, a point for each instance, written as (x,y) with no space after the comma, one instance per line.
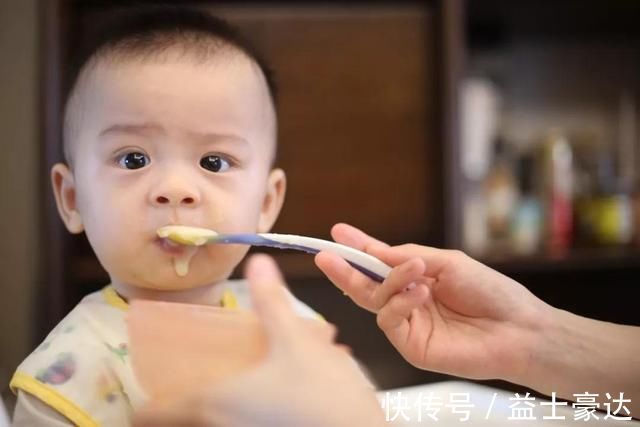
(82,369)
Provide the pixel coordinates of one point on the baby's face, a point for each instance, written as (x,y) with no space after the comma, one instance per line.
(173,142)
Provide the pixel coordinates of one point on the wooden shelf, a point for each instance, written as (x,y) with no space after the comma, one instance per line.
(582,259)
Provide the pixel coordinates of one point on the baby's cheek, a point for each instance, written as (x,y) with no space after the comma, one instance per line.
(224,256)
(217,219)
(106,246)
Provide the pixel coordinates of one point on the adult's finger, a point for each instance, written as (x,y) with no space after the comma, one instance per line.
(409,273)
(435,259)
(352,282)
(354,237)
(351,236)
(270,299)
(319,329)
(398,310)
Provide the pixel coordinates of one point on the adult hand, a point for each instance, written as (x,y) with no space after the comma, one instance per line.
(446,312)
(442,310)
(306,379)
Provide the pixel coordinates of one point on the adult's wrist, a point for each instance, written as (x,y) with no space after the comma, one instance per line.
(576,355)
(549,351)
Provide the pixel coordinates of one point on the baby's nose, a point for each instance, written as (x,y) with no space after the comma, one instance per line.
(164,200)
(174,193)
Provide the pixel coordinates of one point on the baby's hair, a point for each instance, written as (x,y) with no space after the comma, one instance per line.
(148,32)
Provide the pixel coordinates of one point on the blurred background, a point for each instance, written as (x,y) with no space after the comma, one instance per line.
(506,129)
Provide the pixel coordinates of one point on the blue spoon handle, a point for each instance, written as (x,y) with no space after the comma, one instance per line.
(365,263)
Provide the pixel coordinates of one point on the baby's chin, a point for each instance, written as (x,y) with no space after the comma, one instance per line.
(187,269)
(165,278)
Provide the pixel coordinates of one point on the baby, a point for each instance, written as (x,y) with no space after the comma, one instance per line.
(170,121)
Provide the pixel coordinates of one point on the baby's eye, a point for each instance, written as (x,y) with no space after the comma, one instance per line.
(214,163)
(134,160)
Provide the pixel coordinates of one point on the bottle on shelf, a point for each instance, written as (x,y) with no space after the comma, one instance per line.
(613,216)
(526,230)
(604,212)
(501,193)
(557,190)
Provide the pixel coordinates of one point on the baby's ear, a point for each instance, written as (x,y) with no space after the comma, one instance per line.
(273,200)
(64,189)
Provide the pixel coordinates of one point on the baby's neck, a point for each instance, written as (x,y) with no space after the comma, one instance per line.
(204,295)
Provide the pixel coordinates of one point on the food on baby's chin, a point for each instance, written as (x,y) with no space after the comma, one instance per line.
(181,266)
(181,262)
(186,235)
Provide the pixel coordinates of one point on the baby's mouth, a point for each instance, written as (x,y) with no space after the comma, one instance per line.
(181,254)
(170,246)
(182,243)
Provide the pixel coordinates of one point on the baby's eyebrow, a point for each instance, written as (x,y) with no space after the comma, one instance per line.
(146,129)
(150,129)
(143,129)
(215,137)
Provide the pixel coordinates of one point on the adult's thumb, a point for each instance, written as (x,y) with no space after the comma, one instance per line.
(271,300)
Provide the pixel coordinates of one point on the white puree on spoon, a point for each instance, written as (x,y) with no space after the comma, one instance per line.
(192,237)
